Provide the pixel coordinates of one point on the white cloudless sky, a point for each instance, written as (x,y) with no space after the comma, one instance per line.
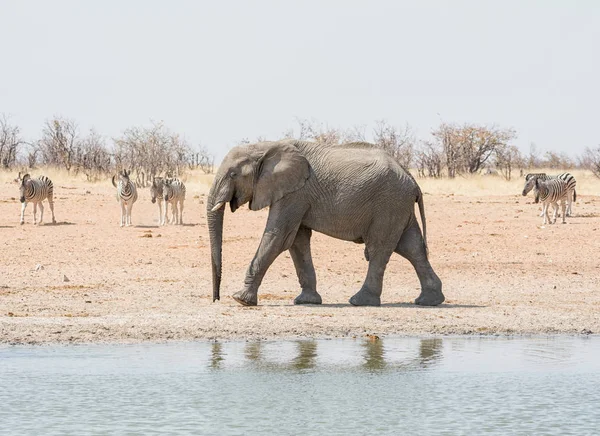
(220,71)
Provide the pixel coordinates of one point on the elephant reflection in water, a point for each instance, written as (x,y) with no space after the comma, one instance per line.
(374,356)
(305,357)
(375,359)
(216,356)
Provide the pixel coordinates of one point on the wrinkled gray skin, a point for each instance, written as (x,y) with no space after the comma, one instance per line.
(352,192)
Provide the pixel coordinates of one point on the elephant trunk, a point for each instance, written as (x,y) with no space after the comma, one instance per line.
(215,231)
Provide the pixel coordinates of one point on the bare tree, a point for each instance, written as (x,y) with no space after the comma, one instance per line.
(93,157)
(149,151)
(59,143)
(10,141)
(429,159)
(508,157)
(469,147)
(591,160)
(533,160)
(557,160)
(398,142)
(446,137)
(201,158)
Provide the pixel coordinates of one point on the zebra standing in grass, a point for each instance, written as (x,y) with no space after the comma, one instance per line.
(174,193)
(156,193)
(126,195)
(35,191)
(550,193)
(569,180)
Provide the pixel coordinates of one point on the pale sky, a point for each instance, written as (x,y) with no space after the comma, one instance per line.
(220,71)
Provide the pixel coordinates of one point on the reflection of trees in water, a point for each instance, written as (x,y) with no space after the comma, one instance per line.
(306,353)
(216,356)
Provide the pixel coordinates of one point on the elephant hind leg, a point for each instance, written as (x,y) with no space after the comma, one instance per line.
(370,292)
(300,252)
(412,247)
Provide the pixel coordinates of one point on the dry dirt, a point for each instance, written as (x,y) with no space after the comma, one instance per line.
(88,280)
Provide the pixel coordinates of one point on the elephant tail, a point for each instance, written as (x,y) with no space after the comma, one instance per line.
(422,212)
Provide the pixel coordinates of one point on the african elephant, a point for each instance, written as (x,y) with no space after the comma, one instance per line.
(354,192)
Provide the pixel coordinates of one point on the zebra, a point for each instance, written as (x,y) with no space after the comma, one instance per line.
(550,192)
(174,193)
(571,184)
(35,191)
(126,195)
(156,193)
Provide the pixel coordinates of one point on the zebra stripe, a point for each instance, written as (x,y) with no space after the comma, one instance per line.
(35,191)
(174,194)
(550,193)
(126,195)
(569,180)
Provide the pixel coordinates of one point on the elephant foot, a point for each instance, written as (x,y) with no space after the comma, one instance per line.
(430,297)
(308,297)
(246,298)
(365,298)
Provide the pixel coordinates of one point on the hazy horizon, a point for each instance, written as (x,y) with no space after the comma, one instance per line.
(217,72)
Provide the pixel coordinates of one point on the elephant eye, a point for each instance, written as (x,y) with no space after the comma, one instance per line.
(233,174)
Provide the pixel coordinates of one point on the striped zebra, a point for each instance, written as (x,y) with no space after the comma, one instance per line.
(567,177)
(174,193)
(156,193)
(35,191)
(550,192)
(126,195)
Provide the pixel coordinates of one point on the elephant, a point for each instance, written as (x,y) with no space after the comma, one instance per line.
(354,192)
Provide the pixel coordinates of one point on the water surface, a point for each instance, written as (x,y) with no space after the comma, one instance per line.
(390,386)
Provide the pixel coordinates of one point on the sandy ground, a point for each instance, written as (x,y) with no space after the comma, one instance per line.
(88,280)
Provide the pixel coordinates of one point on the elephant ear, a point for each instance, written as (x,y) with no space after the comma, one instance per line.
(281,170)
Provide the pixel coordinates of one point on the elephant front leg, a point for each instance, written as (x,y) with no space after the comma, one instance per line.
(412,247)
(272,244)
(300,252)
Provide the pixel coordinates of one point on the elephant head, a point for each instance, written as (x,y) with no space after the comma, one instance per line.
(260,174)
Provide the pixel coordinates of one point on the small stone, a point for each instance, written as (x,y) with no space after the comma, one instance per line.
(39,267)
(66,279)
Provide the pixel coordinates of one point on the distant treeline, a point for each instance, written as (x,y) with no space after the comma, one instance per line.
(146,151)
(455,149)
